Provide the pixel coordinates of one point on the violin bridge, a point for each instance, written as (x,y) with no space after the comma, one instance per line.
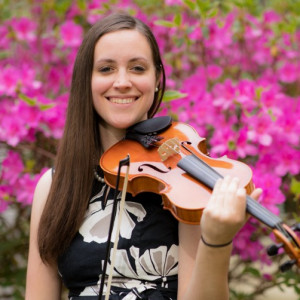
(169,148)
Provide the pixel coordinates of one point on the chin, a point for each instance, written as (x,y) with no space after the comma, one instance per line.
(125,122)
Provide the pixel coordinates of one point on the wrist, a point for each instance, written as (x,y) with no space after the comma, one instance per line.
(215,245)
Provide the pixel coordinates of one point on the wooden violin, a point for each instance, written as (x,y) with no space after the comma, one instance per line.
(170,159)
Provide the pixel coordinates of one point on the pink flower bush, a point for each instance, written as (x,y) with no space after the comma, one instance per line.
(239,73)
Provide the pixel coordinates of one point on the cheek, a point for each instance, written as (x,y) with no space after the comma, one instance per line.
(147,86)
(98,85)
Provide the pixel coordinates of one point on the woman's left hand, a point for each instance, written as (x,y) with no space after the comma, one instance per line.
(225,213)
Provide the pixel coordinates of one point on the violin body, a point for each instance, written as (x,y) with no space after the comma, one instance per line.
(182,194)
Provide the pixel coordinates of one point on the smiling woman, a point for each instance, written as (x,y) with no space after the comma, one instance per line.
(118,80)
(123,82)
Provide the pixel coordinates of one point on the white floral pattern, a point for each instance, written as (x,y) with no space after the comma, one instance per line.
(97,220)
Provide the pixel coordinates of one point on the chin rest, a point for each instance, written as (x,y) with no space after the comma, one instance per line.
(145,132)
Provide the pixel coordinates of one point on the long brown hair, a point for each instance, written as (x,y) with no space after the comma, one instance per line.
(79,148)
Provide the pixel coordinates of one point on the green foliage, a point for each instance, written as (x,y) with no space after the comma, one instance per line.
(14,237)
(171,95)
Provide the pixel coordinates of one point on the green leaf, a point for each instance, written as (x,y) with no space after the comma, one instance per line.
(258,92)
(45,106)
(271,114)
(295,187)
(29,101)
(231,145)
(255,272)
(81,4)
(178,19)
(165,23)
(171,95)
(4,54)
(34,102)
(62,6)
(203,7)
(192,5)
(213,12)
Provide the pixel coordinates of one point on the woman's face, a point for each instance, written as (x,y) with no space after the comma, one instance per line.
(123,78)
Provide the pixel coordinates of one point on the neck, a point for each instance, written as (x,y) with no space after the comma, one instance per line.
(110,136)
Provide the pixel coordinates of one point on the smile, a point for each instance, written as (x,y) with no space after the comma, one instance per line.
(121,100)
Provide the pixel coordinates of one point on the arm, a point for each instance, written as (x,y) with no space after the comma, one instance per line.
(203,270)
(42,280)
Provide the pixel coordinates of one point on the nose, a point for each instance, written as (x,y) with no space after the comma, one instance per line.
(122,80)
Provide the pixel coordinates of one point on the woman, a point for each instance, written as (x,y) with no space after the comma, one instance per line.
(118,80)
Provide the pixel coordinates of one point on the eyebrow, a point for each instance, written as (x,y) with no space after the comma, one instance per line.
(109,60)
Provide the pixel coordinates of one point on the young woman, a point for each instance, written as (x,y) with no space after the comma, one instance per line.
(118,80)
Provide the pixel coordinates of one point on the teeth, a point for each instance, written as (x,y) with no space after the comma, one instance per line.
(121,100)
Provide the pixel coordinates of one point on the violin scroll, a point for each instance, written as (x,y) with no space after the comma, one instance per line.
(290,242)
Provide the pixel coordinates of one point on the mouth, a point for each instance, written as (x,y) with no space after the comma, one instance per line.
(122,100)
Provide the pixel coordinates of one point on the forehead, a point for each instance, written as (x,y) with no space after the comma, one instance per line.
(121,42)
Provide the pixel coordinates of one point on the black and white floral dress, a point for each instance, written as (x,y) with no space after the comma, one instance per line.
(146,263)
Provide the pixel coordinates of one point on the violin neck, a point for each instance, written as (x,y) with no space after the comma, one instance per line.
(208,176)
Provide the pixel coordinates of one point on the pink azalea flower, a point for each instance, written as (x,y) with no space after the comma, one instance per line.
(9,80)
(288,73)
(53,121)
(224,95)
(173,2)
(12,167)
(243,240)
(71,34)
(25,188)
(196,34)
(267,277)
(288,161)
(30,115)
(195,85)
(12,130)
(220,37)
(24,29)
(214,71)
(271,17)
(261,130)
(270,184)
(4,39)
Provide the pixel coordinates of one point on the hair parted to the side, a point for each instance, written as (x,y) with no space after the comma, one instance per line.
(79,148)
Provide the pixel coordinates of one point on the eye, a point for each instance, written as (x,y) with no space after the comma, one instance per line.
(138,69)
(105,69)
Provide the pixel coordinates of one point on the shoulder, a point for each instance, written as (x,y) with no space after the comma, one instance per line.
(41,191)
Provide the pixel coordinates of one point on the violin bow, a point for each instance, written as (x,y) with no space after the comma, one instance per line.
(124,162)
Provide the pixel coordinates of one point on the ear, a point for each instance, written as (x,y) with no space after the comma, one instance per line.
(158,80)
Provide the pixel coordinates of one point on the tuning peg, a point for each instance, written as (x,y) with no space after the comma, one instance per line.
(273,249)
(296,227)
(287,265)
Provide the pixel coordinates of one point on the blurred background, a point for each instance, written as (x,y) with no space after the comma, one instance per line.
(233,73)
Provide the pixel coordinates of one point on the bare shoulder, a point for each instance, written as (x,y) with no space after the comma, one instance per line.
(41,191)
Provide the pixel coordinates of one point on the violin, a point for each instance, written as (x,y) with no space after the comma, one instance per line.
(170,159)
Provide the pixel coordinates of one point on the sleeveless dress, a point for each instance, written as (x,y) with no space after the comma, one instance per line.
(146,262)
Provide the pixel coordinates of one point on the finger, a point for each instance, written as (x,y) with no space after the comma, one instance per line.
(236,201)
(218,194)
(215,193)
(231,192)
(256,193)
(241,199)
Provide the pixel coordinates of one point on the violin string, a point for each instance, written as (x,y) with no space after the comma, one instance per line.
(260,210)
